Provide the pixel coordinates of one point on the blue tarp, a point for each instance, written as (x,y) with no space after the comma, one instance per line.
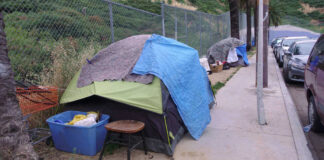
(241,51)
(177,65)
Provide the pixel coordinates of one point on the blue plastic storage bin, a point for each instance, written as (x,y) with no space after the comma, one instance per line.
(77,139)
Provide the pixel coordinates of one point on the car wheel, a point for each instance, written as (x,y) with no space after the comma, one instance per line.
(286,75)
(313,116)
(280,62)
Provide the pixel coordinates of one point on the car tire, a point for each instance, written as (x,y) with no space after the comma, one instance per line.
(280,62)
(276,57)
(313,116)
(286,76)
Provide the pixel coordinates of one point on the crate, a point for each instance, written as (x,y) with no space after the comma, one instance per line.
(36,98)
(77,139)
(216,68)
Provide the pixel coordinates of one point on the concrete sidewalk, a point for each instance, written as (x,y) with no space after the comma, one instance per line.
(234,132)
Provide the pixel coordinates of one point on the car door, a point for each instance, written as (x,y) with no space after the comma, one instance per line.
(286,58)
(319,78)
(311,69)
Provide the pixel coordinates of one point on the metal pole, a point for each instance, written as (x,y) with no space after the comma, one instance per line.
(200,48)
(111,22)
(162,14)
(175,24)
(186,22)
(260,105)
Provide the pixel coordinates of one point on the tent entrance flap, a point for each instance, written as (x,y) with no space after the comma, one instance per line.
(147,97)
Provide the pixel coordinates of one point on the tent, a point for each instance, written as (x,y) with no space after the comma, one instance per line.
(133,96)
(219,51)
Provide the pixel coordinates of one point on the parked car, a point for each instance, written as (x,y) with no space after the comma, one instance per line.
(284,46)
(295,59)
(273,42)
(277,44)
(314,85)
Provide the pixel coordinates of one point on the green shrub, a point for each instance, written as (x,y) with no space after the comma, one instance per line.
(316,15)
(28,57)
(26,6)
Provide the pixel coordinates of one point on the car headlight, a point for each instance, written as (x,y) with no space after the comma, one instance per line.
(298,65)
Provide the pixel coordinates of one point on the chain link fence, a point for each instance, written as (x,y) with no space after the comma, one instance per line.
(49,40)
(197,29)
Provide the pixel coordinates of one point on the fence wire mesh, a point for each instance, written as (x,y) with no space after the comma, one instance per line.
(197,29)
(50,40)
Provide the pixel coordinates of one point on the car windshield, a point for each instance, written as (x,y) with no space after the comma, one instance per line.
(288,42)
(304,48)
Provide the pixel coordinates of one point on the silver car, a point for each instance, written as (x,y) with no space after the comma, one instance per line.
(295,59)
(284,46)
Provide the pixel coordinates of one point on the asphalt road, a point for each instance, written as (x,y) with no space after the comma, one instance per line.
(316,140)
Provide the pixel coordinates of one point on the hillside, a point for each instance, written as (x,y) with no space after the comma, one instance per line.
(304,13)
(208,6)
(49,40)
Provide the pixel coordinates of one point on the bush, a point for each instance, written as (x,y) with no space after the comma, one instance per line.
(28,57)
(26,6)
(316,15)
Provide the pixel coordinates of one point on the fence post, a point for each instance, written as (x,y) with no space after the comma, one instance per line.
(111,22)
(210,30)
(186,22)
(162,14)
(224,27)
(175,24)
(200,21)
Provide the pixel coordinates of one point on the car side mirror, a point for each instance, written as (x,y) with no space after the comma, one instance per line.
(288,53)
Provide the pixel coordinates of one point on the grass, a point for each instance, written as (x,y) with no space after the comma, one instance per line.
(251,52)
(219,85)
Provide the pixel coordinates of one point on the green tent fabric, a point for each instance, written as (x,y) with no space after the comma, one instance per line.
(147,97)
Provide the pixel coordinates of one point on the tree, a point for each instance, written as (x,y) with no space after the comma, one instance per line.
(14,139)
(255,10)
(246,6)
(275,12)
(265,30)
(234,14)
(248,21)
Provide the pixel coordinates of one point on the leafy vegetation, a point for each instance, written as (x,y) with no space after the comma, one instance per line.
(49,40)
(217,86)
(293,14)
(36,29)
(211,6)
(314,3)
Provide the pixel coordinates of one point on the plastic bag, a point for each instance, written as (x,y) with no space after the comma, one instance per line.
(76,118)
(89,121)
(232,56)
(84,120)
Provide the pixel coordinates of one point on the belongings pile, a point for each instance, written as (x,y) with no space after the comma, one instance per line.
(83,138)
(231,52)
(144,78)
(84,120)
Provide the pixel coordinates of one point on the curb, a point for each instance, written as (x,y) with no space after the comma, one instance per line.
(299,137)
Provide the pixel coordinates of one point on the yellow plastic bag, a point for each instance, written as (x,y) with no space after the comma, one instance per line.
(76,118)
(80,117)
